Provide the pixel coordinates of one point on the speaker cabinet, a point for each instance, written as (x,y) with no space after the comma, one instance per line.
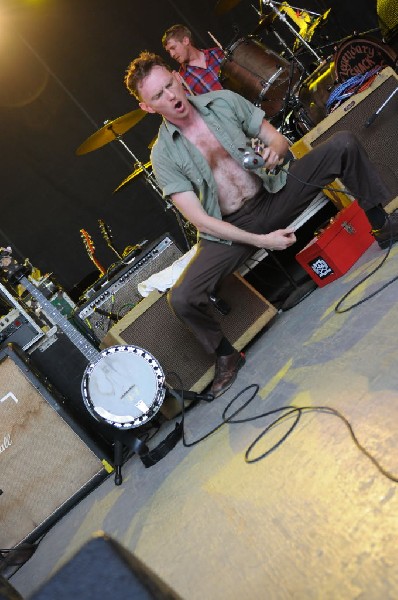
(46,358)
(379,138)
(153,325)
(103,568)
(117,296)
(46,462)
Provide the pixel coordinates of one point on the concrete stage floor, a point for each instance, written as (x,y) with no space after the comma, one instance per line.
(313,519)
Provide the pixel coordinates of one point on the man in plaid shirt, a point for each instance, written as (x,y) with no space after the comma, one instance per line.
(199,68)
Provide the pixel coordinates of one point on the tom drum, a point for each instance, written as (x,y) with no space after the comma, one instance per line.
(258,74)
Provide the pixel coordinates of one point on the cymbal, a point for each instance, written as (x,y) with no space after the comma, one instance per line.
(111,130)
(319,21)
(132,175)
(309,30)
(224,6)
(265,21)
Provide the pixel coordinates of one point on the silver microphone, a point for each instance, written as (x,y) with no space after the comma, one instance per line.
(251,159)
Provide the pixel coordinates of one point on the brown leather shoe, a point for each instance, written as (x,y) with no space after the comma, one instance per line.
(388,233)
(227,368)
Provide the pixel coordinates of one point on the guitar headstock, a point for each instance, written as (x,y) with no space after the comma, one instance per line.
(88,242)
(106,231)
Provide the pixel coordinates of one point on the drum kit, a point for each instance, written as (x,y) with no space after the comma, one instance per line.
(293,87)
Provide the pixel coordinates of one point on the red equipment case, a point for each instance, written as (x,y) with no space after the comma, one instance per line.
(333,252)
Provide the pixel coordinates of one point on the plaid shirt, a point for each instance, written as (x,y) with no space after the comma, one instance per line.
(201,80)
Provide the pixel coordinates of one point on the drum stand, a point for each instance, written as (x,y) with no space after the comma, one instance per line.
(151,180)
(290,52)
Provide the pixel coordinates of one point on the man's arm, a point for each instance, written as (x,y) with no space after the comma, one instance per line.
(189,205)
(276,145)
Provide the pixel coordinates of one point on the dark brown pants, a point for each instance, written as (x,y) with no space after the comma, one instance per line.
(341,156)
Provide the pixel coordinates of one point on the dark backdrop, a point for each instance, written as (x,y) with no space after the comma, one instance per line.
(61,76)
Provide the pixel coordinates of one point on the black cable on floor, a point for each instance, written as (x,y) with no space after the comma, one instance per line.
(287,411)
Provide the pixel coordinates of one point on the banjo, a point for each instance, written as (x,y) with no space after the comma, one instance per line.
(122,386)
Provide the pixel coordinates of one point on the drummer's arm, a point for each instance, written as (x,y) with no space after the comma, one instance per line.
(276,145)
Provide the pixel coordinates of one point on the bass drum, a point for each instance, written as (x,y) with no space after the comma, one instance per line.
(124,387)
(258,74)
(355,56)
(313,95)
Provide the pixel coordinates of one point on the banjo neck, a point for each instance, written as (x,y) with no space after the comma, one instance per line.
(81,343)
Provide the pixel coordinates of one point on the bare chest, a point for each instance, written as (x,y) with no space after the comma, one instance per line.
(234,184)
(207,143)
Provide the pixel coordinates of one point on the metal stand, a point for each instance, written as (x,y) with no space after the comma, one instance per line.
(148,175)
(381,107)
(336,43)
(282,17)
(290,52)
(118,460)
(125,440)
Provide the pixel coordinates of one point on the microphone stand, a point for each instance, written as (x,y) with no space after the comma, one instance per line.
(373,117)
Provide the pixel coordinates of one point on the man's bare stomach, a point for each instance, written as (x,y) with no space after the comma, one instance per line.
(235,186)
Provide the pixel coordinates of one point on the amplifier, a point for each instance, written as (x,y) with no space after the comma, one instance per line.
(118,296)
(153,325)
(47,463)
(379,138)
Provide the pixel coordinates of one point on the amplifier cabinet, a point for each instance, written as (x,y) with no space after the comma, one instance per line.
(152,325)
(46,462)
(117,296)
(55,350)
(379,138)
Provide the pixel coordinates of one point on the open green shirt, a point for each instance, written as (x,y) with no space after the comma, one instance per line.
(180,167)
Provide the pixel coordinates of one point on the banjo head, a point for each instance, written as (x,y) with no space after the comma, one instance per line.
(124,387)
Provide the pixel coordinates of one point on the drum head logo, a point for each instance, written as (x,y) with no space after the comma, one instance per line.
(357,56)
